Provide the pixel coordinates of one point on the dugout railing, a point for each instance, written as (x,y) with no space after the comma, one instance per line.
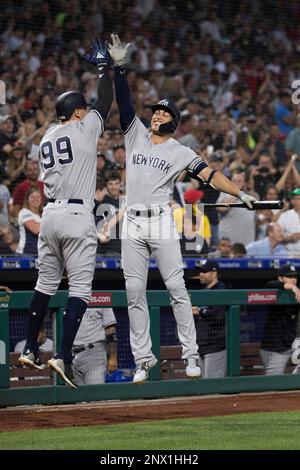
(155,387)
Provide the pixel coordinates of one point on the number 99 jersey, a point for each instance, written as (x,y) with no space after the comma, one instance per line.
(68,156)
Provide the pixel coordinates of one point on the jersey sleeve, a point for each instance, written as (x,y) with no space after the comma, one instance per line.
(109,318)
(136,128)
(196,165)
(191,161)
(93,125)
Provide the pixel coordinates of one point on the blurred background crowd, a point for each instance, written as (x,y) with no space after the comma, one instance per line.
(230,67)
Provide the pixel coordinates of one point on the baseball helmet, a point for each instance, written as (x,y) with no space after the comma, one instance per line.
(67,103)
(170,106)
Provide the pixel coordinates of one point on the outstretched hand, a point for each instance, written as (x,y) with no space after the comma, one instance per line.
(99,54)
(247,199)
(116,51)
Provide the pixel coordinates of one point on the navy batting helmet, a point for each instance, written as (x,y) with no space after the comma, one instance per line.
(170,107)
(67,103)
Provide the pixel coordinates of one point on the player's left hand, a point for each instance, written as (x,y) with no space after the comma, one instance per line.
(112,364)
(99,54)
(247,199)
(116,51)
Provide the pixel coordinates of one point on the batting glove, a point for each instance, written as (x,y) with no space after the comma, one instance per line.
(99,55)
(247,199)
(116,51)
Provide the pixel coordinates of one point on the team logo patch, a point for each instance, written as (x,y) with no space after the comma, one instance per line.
(164,102)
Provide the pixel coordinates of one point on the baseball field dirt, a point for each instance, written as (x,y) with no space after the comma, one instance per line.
(112,412)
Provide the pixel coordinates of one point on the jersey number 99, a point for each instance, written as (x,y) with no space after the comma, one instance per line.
(63,155)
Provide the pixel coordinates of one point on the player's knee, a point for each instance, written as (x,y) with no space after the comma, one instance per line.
(135,289)
(39,302)
(177,290)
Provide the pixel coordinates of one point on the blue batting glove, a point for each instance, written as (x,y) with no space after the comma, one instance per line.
(99,54)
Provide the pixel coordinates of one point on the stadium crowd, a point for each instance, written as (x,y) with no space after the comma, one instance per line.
(230,67)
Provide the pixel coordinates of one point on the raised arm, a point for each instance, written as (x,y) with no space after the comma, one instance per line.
(123,96)
(99,56)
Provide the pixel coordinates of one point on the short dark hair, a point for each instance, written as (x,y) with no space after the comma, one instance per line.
(113,176)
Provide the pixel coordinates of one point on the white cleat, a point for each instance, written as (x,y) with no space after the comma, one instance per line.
(193,369)
(142,371)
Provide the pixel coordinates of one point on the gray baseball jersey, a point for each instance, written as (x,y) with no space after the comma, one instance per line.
(68,158)
(67,238)
(93,324)
(89,365)
(151,170)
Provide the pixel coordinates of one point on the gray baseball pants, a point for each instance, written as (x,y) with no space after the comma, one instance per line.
(156,236)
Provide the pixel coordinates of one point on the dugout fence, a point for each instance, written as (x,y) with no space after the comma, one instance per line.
(235,300)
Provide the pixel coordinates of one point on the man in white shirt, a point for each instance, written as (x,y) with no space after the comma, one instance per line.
(290,222)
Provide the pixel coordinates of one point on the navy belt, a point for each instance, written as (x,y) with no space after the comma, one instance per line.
(79,349)
(146,213)
(70,201)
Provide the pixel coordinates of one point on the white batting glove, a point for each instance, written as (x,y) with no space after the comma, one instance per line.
(116,51)
(247,199)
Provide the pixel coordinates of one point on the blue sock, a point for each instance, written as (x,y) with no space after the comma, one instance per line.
(73,314)
(38,311)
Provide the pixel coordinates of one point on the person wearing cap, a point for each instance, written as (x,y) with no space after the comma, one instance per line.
(290,222)
(199,221)
(282,324)
(210,323)
(292,142)
(154,160)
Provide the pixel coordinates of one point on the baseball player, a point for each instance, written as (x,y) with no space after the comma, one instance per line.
(210,322)
(153,162)
(67,238)
(282,329)
(95,340)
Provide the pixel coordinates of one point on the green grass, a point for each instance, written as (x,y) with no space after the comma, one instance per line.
(269,431)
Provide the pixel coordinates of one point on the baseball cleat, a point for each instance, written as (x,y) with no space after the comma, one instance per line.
(64,369)
(193,369)
(142,371)
(29,359)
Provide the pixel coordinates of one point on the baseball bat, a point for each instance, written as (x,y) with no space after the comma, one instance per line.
(256,205)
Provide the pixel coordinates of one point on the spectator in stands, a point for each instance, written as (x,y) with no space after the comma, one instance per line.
(4,203)
(236,224)
(271,245)
(104,166)
(283,113)
(264,175)
(282,324)
(223,249)
(210,323)
(292,142)
(31,171)
(29,220)
(238,250)
(45,343)
(267,216)
(8,243)
(15,165)
(110,232)
(192,225)
(7,136)
(95,346)
(290,222)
